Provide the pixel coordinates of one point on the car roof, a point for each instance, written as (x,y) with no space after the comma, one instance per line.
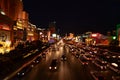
(63,55)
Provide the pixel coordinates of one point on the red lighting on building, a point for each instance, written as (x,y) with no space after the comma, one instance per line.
(4,27)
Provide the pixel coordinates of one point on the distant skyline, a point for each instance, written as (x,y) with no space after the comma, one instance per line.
(76,17)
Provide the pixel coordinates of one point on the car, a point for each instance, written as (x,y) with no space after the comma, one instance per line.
(88,57)
(24,71)
(115,67)
(63,57)
(100,64)
(43,55)
(97,75)
(38,59)
(32,64)
(77,55)
(116,77)
(83,60)
(53,65)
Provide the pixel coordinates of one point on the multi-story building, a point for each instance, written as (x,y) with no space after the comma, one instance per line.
(52,27)
(20,28)
(12,8)
(31,32)
(13,21)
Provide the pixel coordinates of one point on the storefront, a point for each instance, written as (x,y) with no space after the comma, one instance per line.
(5,33)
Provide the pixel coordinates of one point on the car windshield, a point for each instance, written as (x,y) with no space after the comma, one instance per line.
(63,56)
(84,60)
(54,63)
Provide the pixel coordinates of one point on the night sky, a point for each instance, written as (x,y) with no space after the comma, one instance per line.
(72,16)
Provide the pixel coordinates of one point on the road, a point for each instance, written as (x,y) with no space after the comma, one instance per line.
(71,69)
(68,70)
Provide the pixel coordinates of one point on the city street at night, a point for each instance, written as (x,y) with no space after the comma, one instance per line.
(59,40)
(69,69)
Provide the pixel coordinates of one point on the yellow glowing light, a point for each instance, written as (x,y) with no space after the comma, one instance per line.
(6,47)
(8,50)
(8,43)
(1,50)
(14,28)
(30,34)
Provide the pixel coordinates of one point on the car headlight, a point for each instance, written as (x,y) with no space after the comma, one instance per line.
(105,67)
(50,67)
(23,73)
(32,65)
(101,67)
(18,73)
(55,67)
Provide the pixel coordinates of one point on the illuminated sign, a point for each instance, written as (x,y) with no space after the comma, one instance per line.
(4,36)
(4,27)
(54,35)
(19,24)
(94,35)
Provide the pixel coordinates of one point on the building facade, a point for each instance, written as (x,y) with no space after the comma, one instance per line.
(13,21)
